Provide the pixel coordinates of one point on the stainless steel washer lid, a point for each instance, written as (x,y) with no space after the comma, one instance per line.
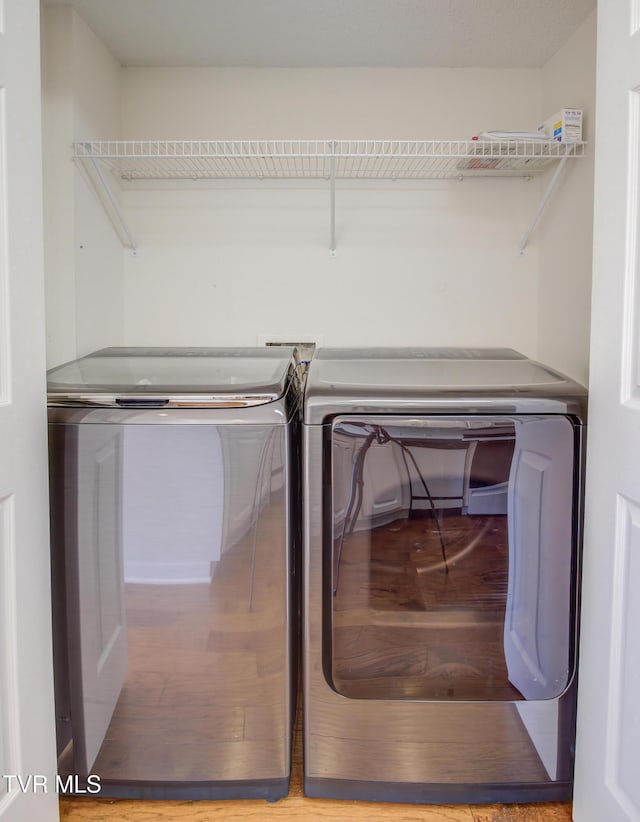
(173,377)
(406,380)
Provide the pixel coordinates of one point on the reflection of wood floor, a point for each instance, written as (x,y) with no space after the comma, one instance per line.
(204,697)
(298,808)
(181,623)
(404,622)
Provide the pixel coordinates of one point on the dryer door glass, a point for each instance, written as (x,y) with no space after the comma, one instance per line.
(452,557)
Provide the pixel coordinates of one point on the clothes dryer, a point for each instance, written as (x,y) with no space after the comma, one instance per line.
(442,516)
(174,515)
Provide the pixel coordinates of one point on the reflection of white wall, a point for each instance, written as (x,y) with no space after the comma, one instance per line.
(173,499)
(541,721)
(537,630)
(445,471)
(254,459)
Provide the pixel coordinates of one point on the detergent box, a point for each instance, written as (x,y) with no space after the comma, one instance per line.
(565,126)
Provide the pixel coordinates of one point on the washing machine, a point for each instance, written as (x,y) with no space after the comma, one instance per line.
(174,519)
(442,494)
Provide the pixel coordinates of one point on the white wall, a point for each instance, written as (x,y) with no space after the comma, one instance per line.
(237,262)
(434,263)
(83,258)
(57,127)
(566,234)
(236,103)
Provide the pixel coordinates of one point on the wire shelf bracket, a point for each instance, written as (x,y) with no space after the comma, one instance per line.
(545,198)
(98,179)
(332,206)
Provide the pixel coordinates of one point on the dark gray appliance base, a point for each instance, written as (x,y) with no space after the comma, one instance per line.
(438,794)
(269,789)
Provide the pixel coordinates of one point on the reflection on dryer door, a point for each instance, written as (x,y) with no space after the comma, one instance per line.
(419,582)
(458,587)
(102,661)
(537,631)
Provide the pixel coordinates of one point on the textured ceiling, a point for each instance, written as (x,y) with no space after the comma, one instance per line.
(333,33)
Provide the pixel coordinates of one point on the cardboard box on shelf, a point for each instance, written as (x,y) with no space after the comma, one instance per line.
(565,126)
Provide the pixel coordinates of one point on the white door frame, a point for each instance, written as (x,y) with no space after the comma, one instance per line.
(607,786)
(27,735)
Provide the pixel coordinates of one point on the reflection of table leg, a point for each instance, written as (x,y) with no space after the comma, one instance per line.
(466,478)
(407,452)
(257,503)
(356,492)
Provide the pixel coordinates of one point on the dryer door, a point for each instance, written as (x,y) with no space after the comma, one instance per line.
(452,552)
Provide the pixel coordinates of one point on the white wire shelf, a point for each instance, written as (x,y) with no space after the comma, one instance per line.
(323,159)
(131,160)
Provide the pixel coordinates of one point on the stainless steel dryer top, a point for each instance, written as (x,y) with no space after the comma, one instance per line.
(473,380)
(173,377)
